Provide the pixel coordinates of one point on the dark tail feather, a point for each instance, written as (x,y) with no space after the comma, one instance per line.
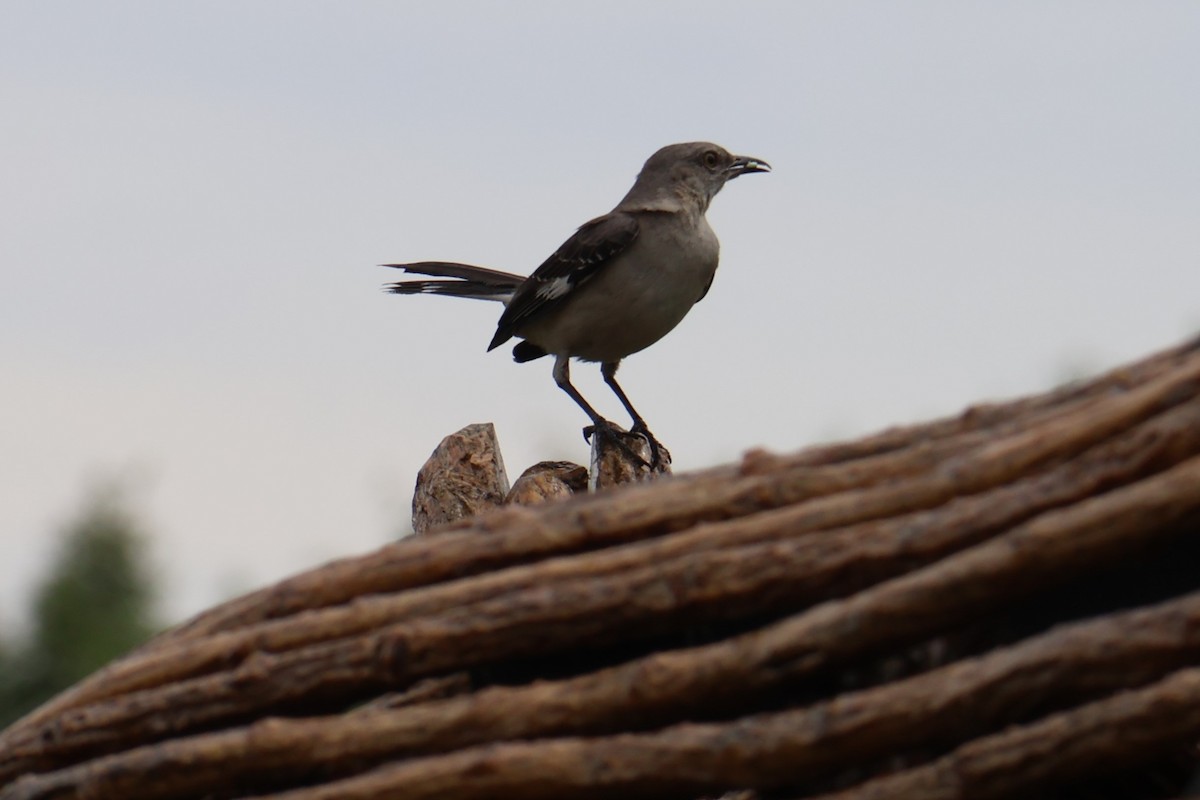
(466,272)
(475,282)
(451,288)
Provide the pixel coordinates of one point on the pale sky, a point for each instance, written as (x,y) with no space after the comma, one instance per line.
(970,201)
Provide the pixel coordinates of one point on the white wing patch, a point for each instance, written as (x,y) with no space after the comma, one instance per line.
(555,288)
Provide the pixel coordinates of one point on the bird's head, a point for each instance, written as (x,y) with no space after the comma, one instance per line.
(693,170)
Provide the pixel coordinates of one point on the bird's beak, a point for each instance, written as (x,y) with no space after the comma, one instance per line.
(743,164)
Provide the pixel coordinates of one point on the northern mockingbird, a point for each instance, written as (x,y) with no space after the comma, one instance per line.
(618,285)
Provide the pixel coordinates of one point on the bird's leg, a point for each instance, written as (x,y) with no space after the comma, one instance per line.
(609,370)
(600,426)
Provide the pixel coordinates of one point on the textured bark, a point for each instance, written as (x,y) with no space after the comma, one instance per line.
(834,503)
(955,702)
(1123,728)
(1110,733)
(703,633)
(438,688)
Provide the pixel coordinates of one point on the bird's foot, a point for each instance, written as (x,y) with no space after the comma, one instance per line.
(604,429)
(656,449)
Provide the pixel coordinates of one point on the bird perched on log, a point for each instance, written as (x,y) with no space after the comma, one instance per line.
(618,285)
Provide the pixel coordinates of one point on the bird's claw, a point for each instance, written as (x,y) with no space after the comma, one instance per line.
(618,438)
(639,429)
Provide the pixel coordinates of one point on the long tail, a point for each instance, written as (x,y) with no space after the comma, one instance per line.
(467,281)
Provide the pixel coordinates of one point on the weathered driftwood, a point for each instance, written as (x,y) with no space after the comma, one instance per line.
(973,696)
(1120,730)
(751,626)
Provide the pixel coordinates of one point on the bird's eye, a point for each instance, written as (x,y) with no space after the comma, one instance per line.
(710,159)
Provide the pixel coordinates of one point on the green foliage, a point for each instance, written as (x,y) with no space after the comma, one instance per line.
(95,604)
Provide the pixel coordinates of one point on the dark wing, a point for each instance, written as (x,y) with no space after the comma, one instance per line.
(595,244)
